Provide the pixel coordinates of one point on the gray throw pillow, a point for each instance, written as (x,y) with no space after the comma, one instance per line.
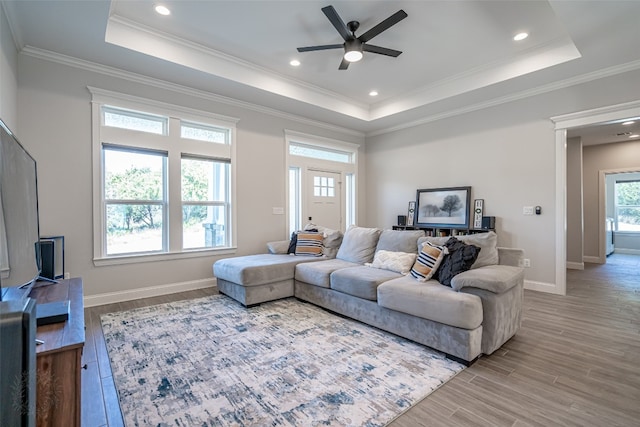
(359,244)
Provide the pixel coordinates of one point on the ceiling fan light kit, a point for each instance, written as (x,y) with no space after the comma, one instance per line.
(353,50)
(355,46)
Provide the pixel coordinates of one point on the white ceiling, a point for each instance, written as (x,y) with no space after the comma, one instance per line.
(454,52)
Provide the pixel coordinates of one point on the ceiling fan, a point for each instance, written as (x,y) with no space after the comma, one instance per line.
(354,46)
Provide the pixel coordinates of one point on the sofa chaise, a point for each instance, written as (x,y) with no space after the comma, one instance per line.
(476,314)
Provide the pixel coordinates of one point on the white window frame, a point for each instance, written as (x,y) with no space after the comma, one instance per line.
(175,147)
(348,174)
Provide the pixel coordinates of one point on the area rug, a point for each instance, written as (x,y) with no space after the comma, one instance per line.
(212,362)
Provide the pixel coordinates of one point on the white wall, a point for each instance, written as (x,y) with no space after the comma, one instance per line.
(8,75)
(506,153)
(55,126)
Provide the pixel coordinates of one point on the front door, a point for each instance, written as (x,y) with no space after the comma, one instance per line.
(324,198)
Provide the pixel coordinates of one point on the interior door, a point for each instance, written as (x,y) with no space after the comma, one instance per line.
(324,198)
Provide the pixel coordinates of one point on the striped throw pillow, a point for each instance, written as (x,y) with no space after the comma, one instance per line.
(428,261)
(309,244)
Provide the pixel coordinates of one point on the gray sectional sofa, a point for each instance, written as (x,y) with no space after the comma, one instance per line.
(476,315)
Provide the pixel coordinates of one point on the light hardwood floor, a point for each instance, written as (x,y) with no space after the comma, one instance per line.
(574,362)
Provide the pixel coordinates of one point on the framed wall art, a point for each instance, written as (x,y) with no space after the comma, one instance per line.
(443,207)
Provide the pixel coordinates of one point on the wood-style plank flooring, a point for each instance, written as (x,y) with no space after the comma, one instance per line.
(574,362)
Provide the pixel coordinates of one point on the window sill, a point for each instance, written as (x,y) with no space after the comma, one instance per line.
(165,256)
(627,233)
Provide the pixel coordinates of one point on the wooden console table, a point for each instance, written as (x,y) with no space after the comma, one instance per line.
(58,360)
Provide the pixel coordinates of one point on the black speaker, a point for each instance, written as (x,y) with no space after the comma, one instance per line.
(47,258)
(489,222)
(402,220)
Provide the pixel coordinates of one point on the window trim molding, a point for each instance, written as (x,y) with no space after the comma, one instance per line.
(175,113)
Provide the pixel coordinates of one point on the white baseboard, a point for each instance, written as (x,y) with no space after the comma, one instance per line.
(626,251)
(592,259)
(575,265)
(549,288)
(151,291)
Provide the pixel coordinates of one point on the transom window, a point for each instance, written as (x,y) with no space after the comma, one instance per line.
(163,178)
(318,152)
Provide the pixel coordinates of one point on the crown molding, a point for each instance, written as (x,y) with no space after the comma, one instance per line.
(561,84)
(163,84)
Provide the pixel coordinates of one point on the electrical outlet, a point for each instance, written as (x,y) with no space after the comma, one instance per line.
(278,211)
(527,210)
(526,263)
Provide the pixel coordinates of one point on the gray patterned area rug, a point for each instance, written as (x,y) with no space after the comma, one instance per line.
(212,362)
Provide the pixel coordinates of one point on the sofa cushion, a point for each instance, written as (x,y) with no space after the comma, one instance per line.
(428,261)
(400,262)
(430,300)
(494,278)
(252,270)
(361,281)
(359,244)
(399,240)
(460,258)
(487,242)
(319,275)
(309,244)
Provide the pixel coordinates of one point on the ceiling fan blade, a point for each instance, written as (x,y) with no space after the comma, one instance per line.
(381,50)
(337,22)
(389,22)
(344,64)
(321,47)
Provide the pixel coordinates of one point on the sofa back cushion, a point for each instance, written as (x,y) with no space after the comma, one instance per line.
(486,242)
(399,241)
(359,244)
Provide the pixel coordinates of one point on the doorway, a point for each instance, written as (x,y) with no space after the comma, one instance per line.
(604,115)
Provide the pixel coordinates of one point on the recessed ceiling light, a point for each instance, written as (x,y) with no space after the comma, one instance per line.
(630,122)
(373,93)
(294,63)
(162,10)
(635,135)
(520,36)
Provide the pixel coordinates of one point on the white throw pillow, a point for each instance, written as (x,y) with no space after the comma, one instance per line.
(400,262)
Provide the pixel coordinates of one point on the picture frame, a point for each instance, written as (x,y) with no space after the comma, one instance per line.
(443,207)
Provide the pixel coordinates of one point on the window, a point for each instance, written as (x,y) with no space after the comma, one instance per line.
(132,120)
(317,152)
(205,195)
(627,207)
(162,180)
(323,186)
(135,202)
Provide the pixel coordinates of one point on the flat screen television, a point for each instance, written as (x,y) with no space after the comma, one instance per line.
(19,225)
(19,270)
